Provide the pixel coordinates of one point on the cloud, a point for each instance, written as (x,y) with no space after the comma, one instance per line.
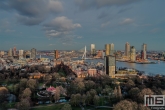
(79,37)
(105,24)
(52,44)
(32,12)
(102,15)
(155,30)
(126,21)
(9,30)
(60,27)
(86,4)
(124,9)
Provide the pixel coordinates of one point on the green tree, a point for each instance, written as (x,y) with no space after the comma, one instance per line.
(133,93)
(130,84)
(26,93)
(3,93)
(32,84)
(66,107)
(22,83)
(142,107)
(80,86)
(57,94)
(144,92)
(96,100)
(23,104)
(73,100)
(83,99)
(126,105)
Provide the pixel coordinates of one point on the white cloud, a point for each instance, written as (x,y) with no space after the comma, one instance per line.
(126,21)
(9,30)
(155,30)
(52,44)
(79,37)
(60,27)
(86,4)
(105,24)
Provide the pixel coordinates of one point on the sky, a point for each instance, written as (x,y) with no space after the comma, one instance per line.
(72,24)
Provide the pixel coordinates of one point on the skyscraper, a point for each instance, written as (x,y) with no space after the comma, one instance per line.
(109,49)
(93,50)
(144,52)
(127,49)
(10,54)
(56,54)
(33,53)
(112,51)
(132,54)
(14,51)
(110,65)
(21,53)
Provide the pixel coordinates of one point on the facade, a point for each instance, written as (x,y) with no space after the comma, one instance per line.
(33,53)
(132,54)
(21,53)
(10,54)
(112,51)
(2,53)
(14,51)
(93,49)
(144,52)
(109,49)
(92,72)
(110,65)
(127,49)
(27,54)
(56,54)
(99,54)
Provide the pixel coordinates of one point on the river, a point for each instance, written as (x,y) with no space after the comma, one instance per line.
(151,69)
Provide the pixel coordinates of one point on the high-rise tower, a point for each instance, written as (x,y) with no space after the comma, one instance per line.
(144,52)
(21,53)
(110,65)
(33,53)
(127,49)
(132,54)
(109,49)
(14,51)
(10,54)
(93,50)
(56,54)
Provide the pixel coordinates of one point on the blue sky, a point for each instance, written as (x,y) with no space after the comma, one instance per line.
(72,24)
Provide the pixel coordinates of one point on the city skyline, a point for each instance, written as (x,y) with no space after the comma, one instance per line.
(25,25)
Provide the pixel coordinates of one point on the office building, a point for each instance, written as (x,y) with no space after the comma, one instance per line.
(56,54)
(14,51)
(10,54)
(99,54)
(127,49)
(109,49)
(2,53)
(21,54)
(144,52)
(33,53)
(110,65)
(27,54)
(132,54)
(93,50)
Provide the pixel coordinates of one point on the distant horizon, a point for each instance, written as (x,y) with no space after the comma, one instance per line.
(99,22)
